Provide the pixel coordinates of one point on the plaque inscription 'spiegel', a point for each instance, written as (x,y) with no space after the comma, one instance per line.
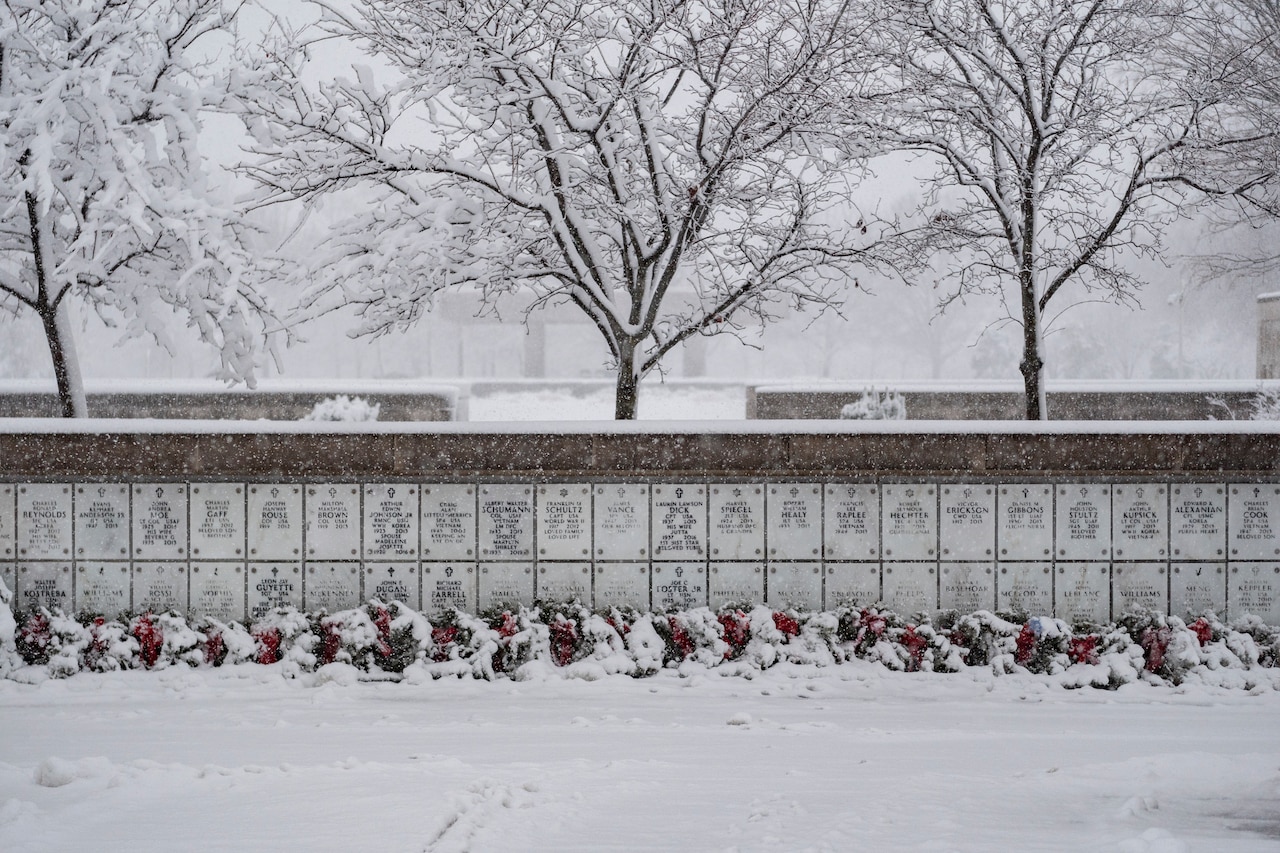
(217,521)
(333,521)
(448,522)
(1198,521)
(564,521)
(967,522)
(44,522)
(795,521)
(622,521)
(852,522)
(679,521)
(737,521)
(102,522)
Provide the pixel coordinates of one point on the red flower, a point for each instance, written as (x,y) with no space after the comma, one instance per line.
(564,638)
(382,621)
(1155,642)
(915,644)
(620,625)
(1026,648)
(680,638)
(441,638)
(330,642)
(509,625)
(737,629)
(873,622)
(150,640)
(786,624)
(1083,649)
(1203,630)
(215,647)
(268,640)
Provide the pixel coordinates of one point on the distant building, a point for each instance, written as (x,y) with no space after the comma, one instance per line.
(1269,336)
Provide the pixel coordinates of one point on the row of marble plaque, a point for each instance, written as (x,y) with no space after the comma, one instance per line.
(665,522)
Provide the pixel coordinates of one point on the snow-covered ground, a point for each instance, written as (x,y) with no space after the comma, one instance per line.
(657,402)
(798,758)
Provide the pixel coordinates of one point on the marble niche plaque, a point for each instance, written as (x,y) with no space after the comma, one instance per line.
(1026,522)
(1025,588)
(43,585)
(564,582)
(1084,522)
(909,522)
(390,582)
(1254,588)
(159,587)
(505,585)
(1253,522)
(506,525)
(273,585)
(333,521)
(737,521)
(275,522)
(911,587)
(679,521)
(967,523)
(217,591)
(446,586)
(797,585)
(967,587)
(44,522)
(851,517)
(103,588)
(622,585)
(102,523)
(331,586)
(1083,593)
(8,534)
(852,585)
(1140,521)
(794,530)
(622,521)
(160,521)
(564,521)
(448,522)
(679,586)
(740,584)
(1198,521)
(9,574)
(391,521)
(217,521)
(1139,586)
(1198,588)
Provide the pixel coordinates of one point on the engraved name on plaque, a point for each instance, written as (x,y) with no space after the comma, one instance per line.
(159,587)
(967,523)
(333,521)
(1198,588)
(967,587)
(8,533)
(1198,521)
(388,582)
(1253,522)
(852,523)
(1140,521)
(564,582)
(679,521)
(102,522)
(217,521)
(794,530)
(505,584)
(391,521)
(103,588)
(275,522)
(622,585)
(1082,595)
(911,588)
(1254,588)
(43,585)
(737,521)
(160,521)
(738,584)
(217,591)
(851,585)
(622,521)
(1026,522)
(449,522)
(1084,521)
(331,586)
(273,585)
(44,522)
(797,585)
(448,586)
(1025,589)
(909,524)
(1139,587)
(679,586)
(564,521)
(506,524)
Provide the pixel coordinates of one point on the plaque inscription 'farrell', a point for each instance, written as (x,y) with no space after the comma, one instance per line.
(564,521)
(103,588)
(44,522)
(852,523)
(391,521)
(1083,593)
(622,585)
(967,587)
(1198,588)
(446,586)
(506,524)
(333,521)
(160,522)
(1026,522)
(679,586)
(217,521)
(273,585)
(1198,521)
(102,522)
(795,521)
(622,521)
(737,522)
(679,521)
(217,591)
(1253,522)
(1254,588)
(1084,522)
(909,525)
(796,585)
(275,522)
(448,522)
(1140,521)
(967,523)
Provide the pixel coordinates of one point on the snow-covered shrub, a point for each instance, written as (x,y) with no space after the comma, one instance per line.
(9,658)
(224,643)
(876,405)
(111,647)
(284,634)
(345,409)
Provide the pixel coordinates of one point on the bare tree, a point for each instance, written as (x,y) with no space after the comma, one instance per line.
(669,167)
(1063,139)
(103,194)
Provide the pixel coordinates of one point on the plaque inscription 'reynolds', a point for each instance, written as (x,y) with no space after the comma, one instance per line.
(1253,522)
(44,522)
(967,523)
(1140,521)
(622,521)
(737,522)
(795,521)
(852,523)
(1198,521)
(102,523)
(275,522)
(679,521)
(391,521)
(1026,522)
(449,522)
(564,521)
(333,521)
(217,521)
(160,521)
(506,523)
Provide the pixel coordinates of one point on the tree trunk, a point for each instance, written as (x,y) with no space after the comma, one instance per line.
(1032,366)
(627,390)
(66,367)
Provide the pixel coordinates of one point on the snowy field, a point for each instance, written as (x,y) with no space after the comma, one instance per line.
(843,758)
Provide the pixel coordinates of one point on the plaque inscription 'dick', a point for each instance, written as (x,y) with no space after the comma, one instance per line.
(103,588)
(1197,588)
(1198,521)
(622,585)
(679,586)
(505,585)
(909,524)
(737,521)
(1254,588)
(852,523)
(160,521)
(43,585)
(331,586)
(852,584)
(390,582)
(217,590)
(679,521)
(794,527)
(796,585)
(102,522)
(448,522)
(217,521)
(333,521)
(273,585)
(44,522)
(1139,586)
(1084,522)
(1083,593)
(275,522)
(1140,521)
(506,524)
(967,587)
(391,521)
(1026,522)
(570,582)
(622,521)
(446,586)
(564,521)
(734,584)
(911,587)
(8,533)
(160,587)
(967,523)
(1253,522)
(1024,588)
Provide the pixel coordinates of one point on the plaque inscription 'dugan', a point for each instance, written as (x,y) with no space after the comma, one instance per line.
(102,522)
(1140,521)
(388,582)
(795,585)
(1253,522)
(909,522)
(851,522)
(1026,522)
(44,522)
(448,521)
(1083,522)
(217,521)
(737,521)
(1198,521)
(622,521)
(506,523)
(217,590)
(333,521)
(103,589)
(160,521)
(448,586)
(1082,593)
(967,523)
(679,521)
(564,522)
(391,521)
(275,522)
(795,521)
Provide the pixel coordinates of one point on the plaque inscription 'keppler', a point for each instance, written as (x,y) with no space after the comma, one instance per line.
(217,521)
(1254,588)
(102,522)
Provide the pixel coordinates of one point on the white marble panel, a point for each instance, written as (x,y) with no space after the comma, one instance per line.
(1139,587)
(446,586)
(102,522)
(622,585)
(852,522)
(331,587)
(911,587)
(794,529)
(1140,521)
(8,530)
(273,585)
(1025,588)
(1083,522)
(736,516)
(967,587)
(506,524)
(9,575)
(795,585)
(43,584)
(390,582)
(391,521)
(564,521)
(679,521)
(218,591)
(333,521)
(1198,588)
(679,586)
(1026,521)
(217,521)
(967,522)
(852,585)
(449,522)
(909,523)
(1253,521)
(622,521)
(1082,595)
(1251,588)
(739,584)
(564,582)
(103,588)
(44,522)
(275,522)
(1198,521)
(160,521)
(505,585)
(159,587)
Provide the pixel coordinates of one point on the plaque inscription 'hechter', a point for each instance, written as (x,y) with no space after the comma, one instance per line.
(679,521)
(333,521)
(217,521)
(102,523)
(622,521)
(737,522)
(909,525)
